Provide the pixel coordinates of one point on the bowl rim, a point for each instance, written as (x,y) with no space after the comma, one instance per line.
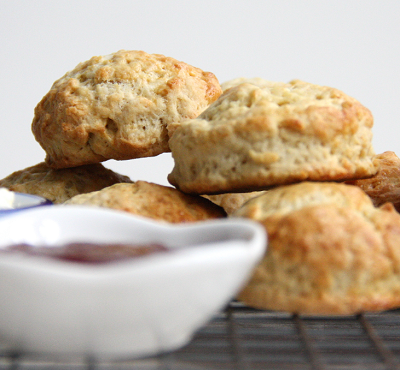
(239,226)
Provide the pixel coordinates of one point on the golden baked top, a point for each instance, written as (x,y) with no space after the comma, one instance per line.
(330,251)
(151,200)
(286,199)
(297,106)
(119,106)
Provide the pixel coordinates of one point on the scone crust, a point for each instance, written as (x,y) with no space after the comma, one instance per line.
(258,81)
(333,253)
(255,137)
(154,201)
(231,202)
(283,200)
(385,185)
(62,184)
(119,106)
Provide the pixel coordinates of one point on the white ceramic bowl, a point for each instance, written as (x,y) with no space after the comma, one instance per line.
(124,309)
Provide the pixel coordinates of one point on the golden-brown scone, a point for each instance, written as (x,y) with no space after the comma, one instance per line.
(154,201)
(230,202)
(385,185)
(61,185)
(119,106)
(330,251)
(255,137)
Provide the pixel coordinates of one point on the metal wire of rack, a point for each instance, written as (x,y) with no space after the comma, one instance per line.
(241,338)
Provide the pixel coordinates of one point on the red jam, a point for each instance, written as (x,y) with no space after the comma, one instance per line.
(88,252)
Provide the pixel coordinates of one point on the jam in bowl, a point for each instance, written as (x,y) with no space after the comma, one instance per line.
(92,253)
(74,302)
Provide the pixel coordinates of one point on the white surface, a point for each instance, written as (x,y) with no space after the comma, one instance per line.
(352,45)
(15,202)
(124,309)
(11,201)
(7,199)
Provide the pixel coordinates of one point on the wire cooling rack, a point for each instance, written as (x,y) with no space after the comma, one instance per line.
(240,338)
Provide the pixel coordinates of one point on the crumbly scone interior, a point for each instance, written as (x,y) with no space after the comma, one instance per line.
(384,186)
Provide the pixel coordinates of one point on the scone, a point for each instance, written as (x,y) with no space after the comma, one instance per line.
(330,251)
(230,202)
(254,137)
(385,185)
(154,201)
(61,185)
(119,106)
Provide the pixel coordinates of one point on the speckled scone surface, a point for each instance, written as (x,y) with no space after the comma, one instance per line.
(119,106)
(63,184)
(255,137)
(151,200)
(385,185)
(330,251)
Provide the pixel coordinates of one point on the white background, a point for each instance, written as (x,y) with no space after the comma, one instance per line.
(351,45)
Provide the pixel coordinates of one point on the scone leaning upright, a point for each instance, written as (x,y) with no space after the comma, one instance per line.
(119,106)
(260,135)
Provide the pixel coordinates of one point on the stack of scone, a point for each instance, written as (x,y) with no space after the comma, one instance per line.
(296,157)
